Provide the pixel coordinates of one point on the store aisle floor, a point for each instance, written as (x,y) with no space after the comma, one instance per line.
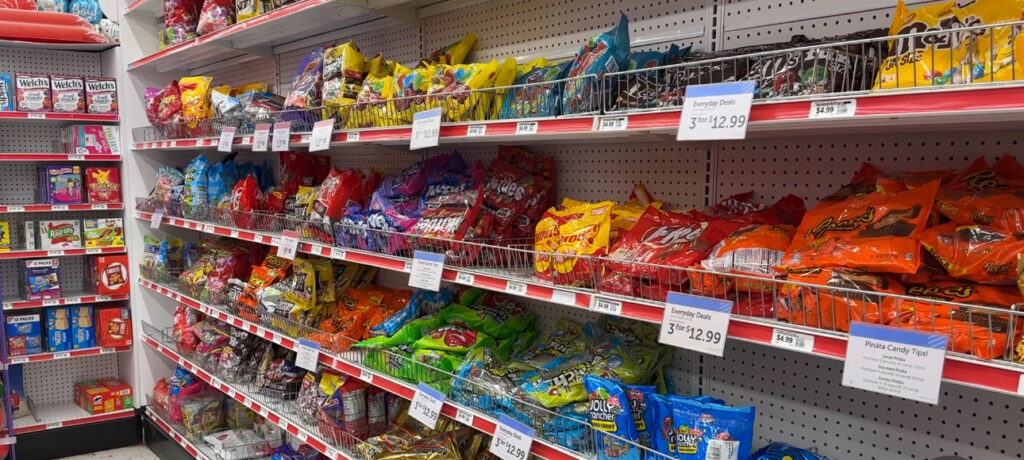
(139,452)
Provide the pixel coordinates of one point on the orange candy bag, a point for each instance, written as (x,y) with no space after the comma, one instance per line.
(831,307)
(980,195)
(569,234)
(975,253)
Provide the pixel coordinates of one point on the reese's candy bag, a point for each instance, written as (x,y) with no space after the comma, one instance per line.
(834,309)
(975,253)
(983,195)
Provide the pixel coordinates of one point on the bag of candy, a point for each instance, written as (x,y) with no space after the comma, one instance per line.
(215,15)
(605,52)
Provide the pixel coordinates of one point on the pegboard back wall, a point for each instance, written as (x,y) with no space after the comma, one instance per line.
(800,401)
(17,137)
(814,168)
(72,276)
(36,60)
(52,382)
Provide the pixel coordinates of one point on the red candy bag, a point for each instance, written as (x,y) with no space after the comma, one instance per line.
(338,191)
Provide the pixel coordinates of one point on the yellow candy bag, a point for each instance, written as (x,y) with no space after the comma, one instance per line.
(343,77)
(582,230)
(259,87)
(410,95)
(450,86)
(371,107)
(453,54)
(993,54)
(195,99)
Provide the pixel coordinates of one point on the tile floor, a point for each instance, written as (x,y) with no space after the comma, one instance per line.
(139,452)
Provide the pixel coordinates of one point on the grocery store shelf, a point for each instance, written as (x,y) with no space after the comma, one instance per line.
(75,298)
(477,420)
(63,415)
(992,375)
(11,157)
(12,208)
(68,118)
(313,439)
(59,46)
(940,109)
(66,354)
(256,36)
(192,449)
(23,254)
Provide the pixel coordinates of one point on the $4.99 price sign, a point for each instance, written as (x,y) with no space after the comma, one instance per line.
(716,111)
(512,440)
(696,323)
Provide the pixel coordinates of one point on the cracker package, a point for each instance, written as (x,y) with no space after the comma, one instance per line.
(24,334)
(58,329)
(113,326)
(81,327)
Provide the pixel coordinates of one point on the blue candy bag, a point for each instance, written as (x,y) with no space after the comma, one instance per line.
(421,300)
(6,93)
(602,53)
(782,451)
(641,407)
(706,430)
(537,99)
(610,413)
(663,437)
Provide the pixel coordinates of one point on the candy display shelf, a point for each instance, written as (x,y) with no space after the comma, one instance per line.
(995,375)
(474,418)
(32,254)
(66,118)
(198,451)
(17,157)
(59,46)
(64,415)
(11,208)
(39,357)
(73,298)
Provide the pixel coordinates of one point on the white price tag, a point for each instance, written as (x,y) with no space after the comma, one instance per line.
(338,253)
(612,123)
(59,207)
(895,362)
(603,305)
(261,137)
(515,287)
(465,278)
(365,375)
(426,271)
(352,136)
(55,253)
(792,340)
(716,111)
(426,129)
(512,440)
(102,298)
(37,116)
(61,355)
(476,130)
(464,417)
(263,412)
(52,425)
(227,136)
(321,136)
(833,109)
(289,245)
(696,323)
(282,136)
(98,206)
(426,405)
(156,218)
(231,392)
(15,209)
(563,297)
(172,144)
(93,251)
(526,127)
(104,351)
(307,355)
(76,157)
(19,360)
(331,453)
(51,302)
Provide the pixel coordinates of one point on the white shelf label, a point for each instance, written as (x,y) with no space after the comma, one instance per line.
(51,302)
(55,252)
(307,355)
(512,440)
(102,298)
(289,245)
(99,206)
(612,123)
(156,218)
(833,109)
(172,144)
(464,417)
(331,453)
(282,136)
(15,209)
(19,359)
(476,130)
(104,351)
(61,355)
(793,340)
(515,287)
(352,136)
(426,405)
(465,278)
(365,375)
(603,305)
(426,129)
(338,253)
(320,139)
(76,157)
(261,137)
(59,207)
(52,425)
(895,362)
(227,136)
(93,251)
(427,268)
(37,116)
(563,297)
(696,323)
(716,111)
(263,412)
(526,127)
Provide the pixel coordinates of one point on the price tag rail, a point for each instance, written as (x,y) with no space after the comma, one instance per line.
(994,375)
(51,356)
(50,417)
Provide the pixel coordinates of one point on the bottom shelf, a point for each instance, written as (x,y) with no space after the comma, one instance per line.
(196,450)
(63,415)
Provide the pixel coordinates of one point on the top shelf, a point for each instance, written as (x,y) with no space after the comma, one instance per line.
(59,46)
(50,117)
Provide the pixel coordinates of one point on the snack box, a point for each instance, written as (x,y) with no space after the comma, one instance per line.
(101,95)
(6,93)
(91,139)
(103,395)
(113,326)
(59,184)
(58,329)
(103,185)
(68,94)
(107,274)
(40,279)
(29,235)
(5,236)
(60,234)
(32,92)
(103,233)
(24,334)
(82,335)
